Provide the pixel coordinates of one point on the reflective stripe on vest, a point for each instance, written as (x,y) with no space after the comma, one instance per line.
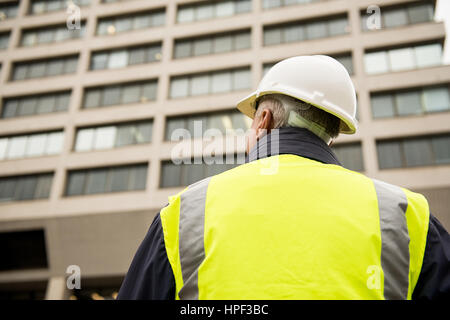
(192,251)
(392,205)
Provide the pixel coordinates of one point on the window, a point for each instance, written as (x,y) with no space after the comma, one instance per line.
(347,62)
(436,99)
(441,148)
(300,31)
(106,180)
(350,155)
(294,33)
(44,68)
(135,21)
(212,44)
(269,4)
(32,37)
(37,104)
(107,137)
(407,14)
(125,93)
(376,62)
(28,187)
(211,9)
(345,59)
(413,152)
(111,96)
(420,13)
(8,10)
(382,106)
(221,82)
(4,40)
(395,18)
(124,57)
(273,36)
(23,250)
(408,103)
(42,6)
(117,59)
(222,120)
(32,145)
(213,82)
(428,55)
(412,101)
(316,30)
(402,59)
(389,154)
(184,174)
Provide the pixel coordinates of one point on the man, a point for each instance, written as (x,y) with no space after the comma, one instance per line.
(292,223)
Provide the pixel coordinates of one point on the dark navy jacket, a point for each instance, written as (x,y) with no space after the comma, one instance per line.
(150,275)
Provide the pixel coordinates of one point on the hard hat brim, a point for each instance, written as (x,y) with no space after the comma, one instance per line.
(248,107)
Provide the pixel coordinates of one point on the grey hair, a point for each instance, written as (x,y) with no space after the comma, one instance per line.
(282,105)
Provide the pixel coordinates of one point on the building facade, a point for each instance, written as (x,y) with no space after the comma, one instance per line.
(93,91)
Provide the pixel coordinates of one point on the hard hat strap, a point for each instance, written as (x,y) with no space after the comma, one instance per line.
(295,120)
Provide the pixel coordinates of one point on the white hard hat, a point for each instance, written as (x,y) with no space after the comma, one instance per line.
(318,80)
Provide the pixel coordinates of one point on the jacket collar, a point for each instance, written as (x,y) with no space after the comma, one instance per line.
(297,141)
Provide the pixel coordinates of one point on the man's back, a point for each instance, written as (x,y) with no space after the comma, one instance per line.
(302,230)
(295,225)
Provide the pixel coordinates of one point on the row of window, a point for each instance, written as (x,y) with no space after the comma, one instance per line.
(119,24)
(112,136)
(376,62)
(105,180)
(269,4)
(423,100)
(301,31)
(206,10)
(223,121)
(414,152)
(384,104)
(135,92)
(410,102)
(409,13)
(28,187)
(119,58)
(41,6)
(44,35)
(121,134)
(35,104)
(393,16)
(31,145)
(398,153)
(44,68)
(210,83)
(233,41)
(404,58)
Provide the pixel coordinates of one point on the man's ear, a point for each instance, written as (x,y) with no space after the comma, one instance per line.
(266,120)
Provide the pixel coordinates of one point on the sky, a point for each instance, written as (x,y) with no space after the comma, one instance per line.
(443,14)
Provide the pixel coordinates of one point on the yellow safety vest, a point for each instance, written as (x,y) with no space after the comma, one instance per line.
(287,227)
